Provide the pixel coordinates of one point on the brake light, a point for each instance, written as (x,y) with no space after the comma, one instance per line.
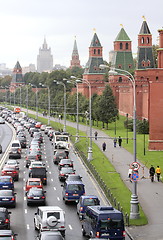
(54,157)
(13,199)
(81,208)
(44,178)
(12,238)
(97,234)
(124,233)
(62,226)
(43,197)
(66,194)
(14,172)
(7,220)
(30,197)
(61,174)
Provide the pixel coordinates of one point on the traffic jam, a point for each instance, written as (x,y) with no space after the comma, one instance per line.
(29,156)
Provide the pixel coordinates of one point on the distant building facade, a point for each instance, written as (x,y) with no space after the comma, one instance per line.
(30,68)
(44,59)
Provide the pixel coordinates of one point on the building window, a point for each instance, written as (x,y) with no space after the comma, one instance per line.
(157,78)
(143,63)
(119,66)
(120,79)
(129,66)
(148,40)
(142,40)
(121,46)
(148,63)
(94,51)
(98,51)
(126,45)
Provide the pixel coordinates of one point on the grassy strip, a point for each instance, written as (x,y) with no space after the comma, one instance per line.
(106,170)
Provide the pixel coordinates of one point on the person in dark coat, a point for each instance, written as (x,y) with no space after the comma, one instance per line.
(96,133)
(120,141)
(152,173)
(104,146)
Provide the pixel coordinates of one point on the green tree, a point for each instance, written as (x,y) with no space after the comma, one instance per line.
(108,111)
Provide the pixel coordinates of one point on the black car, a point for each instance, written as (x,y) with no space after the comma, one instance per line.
(59,154)
(7,235)
(14,153)
(0,148)
(65,163)
(64,172)
(7,198)
(4,218)
(36,196)
(48,235)
(74,177)
(39,172)
(23,141)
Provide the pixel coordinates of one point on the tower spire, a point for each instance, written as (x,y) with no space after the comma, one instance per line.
(75,62)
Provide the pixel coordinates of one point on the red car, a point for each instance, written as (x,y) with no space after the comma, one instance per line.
(38,125)
(33,182)
(10,171)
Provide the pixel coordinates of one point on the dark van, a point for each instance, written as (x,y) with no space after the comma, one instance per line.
(39,172)
(84,202)
(103,222)
(72,191)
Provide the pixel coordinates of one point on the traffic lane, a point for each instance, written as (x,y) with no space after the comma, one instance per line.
(6,133)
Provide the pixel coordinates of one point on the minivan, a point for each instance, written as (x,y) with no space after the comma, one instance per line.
(103,222)
(84,202)
(16,144)
(72,191)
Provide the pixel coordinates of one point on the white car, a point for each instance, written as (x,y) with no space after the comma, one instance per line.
(36,164)
(50,218)
(2,121)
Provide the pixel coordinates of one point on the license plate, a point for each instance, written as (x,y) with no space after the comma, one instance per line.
(36,198)
(5,199)
(9,172)
(60,157)
(5,186)
(75,194)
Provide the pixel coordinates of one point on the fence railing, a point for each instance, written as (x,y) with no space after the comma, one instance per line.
(113,201)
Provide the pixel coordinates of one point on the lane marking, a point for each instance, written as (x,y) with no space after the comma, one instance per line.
(55,188)
(25,210)
(28,226)
(58,198)
(25,198)
(70,227)
(49,172)
(52,179)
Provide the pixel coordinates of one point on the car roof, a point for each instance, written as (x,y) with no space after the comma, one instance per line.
(89,196)
(50,208)
(74,182)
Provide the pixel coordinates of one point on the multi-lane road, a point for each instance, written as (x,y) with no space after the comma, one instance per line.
(22,216)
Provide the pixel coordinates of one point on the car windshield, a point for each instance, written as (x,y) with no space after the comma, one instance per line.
(75,187)
(67,170)
(6,193)
(6,238)
(53,237)
(90,202)
(110,224)
(35,183)
(62,138)
(65,161)
(4,180)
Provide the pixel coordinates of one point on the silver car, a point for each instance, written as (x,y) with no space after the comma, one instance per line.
(49,218)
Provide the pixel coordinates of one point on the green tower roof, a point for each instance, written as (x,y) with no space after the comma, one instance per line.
(95,41)
(122,36)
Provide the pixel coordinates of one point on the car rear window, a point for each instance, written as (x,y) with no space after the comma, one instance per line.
(36,183)
(75,187)
(5,193)
(55,214)
(4,180)
(90,202)
(15,145)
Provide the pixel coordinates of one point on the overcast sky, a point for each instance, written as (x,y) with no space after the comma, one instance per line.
(24,23)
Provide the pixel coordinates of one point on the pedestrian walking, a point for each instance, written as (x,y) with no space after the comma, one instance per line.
(152,173)
(120,141)
(115,142)
(130,173)
(96,133)
(104,146)
(158,172)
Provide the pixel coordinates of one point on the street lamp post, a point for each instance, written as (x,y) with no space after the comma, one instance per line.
(127,127)
(27,99)
(77,107)
(43,85)
(64,86)
(134,211)
(36,92)
(90,117)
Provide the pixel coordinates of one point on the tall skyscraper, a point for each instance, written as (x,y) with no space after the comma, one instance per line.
(44,59)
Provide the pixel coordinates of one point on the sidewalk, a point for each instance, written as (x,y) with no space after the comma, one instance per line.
(150,195)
